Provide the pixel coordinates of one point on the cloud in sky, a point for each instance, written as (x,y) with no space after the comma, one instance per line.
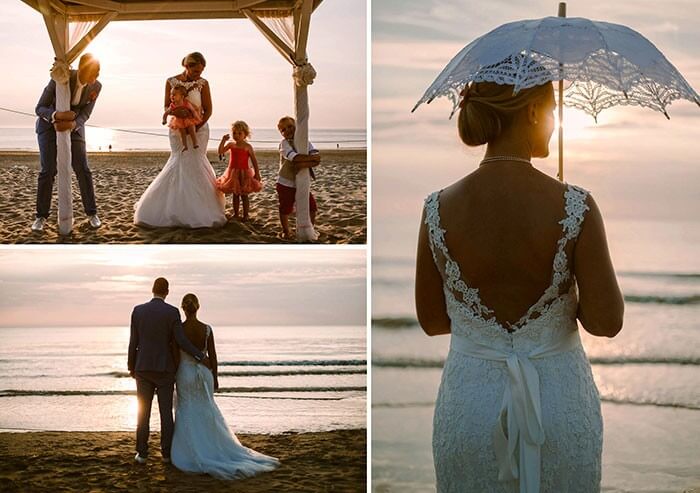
(99,286)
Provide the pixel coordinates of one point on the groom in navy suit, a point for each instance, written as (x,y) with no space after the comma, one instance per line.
(156,333)
(84,89)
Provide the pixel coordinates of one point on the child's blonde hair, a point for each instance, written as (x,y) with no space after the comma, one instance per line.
(242,126)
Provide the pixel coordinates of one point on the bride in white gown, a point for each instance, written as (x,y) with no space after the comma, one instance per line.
(183,194)
(501,254)
(202,442)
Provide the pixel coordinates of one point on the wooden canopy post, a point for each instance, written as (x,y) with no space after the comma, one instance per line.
(302,19)
(57,27)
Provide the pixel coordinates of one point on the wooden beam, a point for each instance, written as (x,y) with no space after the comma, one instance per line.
(89,36)
(101,4)
(58,6)
(175,10)
(52,21)
(90,6)
(285,51)
(302,31)
(246,4)
(296,19)
(161,16)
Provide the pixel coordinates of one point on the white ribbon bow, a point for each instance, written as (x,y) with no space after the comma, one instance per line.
(520,419)
(60,71)
(304,74)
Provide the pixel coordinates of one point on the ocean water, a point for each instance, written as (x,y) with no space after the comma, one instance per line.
(648,376)
(272,379)
(156,138)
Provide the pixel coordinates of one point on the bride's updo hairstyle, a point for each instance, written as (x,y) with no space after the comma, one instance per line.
(194,58)
(190,303)
(487,109)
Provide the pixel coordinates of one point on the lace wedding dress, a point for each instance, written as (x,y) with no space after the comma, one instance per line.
(516,411)
(202,442)
(183,194)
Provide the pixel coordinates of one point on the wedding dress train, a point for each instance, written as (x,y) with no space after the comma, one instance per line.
(202,442)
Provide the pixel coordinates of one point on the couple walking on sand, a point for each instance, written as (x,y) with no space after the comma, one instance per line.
(165,354)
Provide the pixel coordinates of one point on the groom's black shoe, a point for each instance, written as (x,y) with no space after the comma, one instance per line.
(139,459)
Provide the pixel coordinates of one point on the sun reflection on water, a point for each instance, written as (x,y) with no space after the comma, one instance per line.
(99,139)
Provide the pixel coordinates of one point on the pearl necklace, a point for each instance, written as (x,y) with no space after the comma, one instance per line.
(504,158)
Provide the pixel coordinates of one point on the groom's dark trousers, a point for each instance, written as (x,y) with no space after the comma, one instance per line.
(46,136)
(156,333)
(163,384)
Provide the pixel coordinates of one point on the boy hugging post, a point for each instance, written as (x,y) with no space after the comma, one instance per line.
(291,162)
(239,178)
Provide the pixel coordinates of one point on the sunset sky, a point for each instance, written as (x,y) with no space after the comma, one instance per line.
(249,79)
(637,164)
(99,286)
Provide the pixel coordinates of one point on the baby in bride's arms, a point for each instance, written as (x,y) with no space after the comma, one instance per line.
(186,126)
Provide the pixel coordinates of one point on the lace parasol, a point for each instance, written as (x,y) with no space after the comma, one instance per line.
(604,64)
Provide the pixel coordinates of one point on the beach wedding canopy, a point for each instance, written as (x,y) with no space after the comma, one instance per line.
(604,64)
(73,24)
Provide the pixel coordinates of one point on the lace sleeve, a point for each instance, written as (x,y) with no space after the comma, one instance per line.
(436,235)
(575,207)
(449,269)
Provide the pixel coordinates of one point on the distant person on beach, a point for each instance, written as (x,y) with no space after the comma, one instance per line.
(291,162)
(239,178)
(184,193)
(203,442)
(84,89)
(508,260)
(185,125)
(156,334)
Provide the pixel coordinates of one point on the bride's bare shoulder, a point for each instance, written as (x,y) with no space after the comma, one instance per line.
(482,181)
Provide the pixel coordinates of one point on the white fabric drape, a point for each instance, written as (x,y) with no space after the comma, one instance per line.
(287,33)
(282,26)
(78,30)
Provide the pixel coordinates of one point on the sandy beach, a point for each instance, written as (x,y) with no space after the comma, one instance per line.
(102,461)
(121,177)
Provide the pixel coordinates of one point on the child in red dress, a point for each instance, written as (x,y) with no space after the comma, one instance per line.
(239,178)
(186,126)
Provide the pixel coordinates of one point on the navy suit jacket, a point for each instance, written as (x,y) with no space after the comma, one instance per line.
(47,105)
(155,328)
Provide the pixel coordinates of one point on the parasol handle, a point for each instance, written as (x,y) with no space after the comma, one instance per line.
(560,175)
